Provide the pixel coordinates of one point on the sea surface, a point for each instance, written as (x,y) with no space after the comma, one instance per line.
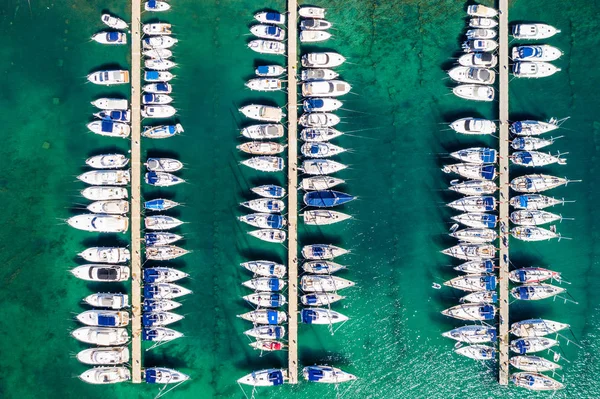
(396,119)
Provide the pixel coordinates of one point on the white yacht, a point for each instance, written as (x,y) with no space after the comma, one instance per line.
(310,74)
(535,382)
(320,150)
(321,166)
(533,31)
(473,187)
(314,24)
(113,22)
(162,132)
(100,223)
(265,205)
(312,36)
(534,69)
(463,74)
(533,363)
(161,222)
(110,37)
(111,104)
(105,193)
(269,235)
(321,316)
(100,356)
(107,78)
(267,46)
(478,10)
(268,17)
(269,70)
(324,283)
(479,60)
(156,5)
(485,45)
(264,84)
(268,32)
(165,252)
(481,33)
(325,104)
(158,111)
(265,284)
(325,88)
(262,112)
(322,217)
(106,375)
(536,183)
(106,177)
(475,92)
(159,64)
(163,164)
(317,183)
(107,161)
(262,132)
(534,233)
(534,128)
(110,128)
(156,42)
(311,135)
(322,60)
(156,29)
(468,251)
(107,300)
(104,318)
(106,255)
(312,12)
(483,22)
(536,53)
(265,163)
(319,119)
(473,126)
(261,148)
(101,336)
(265,268)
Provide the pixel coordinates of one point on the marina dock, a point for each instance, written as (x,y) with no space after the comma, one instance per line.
(503,338)
(136,253)
(292,62)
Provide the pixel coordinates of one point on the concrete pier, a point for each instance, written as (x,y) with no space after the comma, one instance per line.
(503,335)
(136,173)
(292,69)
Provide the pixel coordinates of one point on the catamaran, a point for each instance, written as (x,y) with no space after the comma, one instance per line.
(474,204)
(473,126)
(322,251)
(533,233)
(269,235)
(265,205)
(467,251)
(100,223)
(533,31)
(322,60)
(321,316)
(528,275)
(265,284)
(533,217)
(477,220)
(536,291)
(534,201)
(106,255)
(473,334)
(536,183)
(103,273)
(321,166)
(473,282)
(99,356)
(471,311)
(324,283)
(265,268)
(536,327)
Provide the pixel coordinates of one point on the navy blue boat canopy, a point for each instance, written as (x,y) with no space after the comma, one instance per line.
(526,51)
(113,36)
(273,317)
(315,373)
(150,376)
(152,3)
(157,204)
(276,377)
(273,16)
(106,321)
(162,87)
(525,157)
(271,30)
(517,127)
(488,155)
(489,203)
(151,178)
(107,125)
(488,172)
(151,75)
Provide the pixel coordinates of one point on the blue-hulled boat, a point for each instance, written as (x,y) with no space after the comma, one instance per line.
(114,115)
(160,204)
(161,375)
(326,198)
(326,374)
(160,334)
(265,378)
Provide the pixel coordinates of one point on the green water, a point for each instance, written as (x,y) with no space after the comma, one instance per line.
(397,52)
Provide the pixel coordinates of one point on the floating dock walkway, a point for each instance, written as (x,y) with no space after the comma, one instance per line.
(136,253)
(292,69)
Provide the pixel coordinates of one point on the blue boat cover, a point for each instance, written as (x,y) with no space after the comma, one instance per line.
(489,265)
(521,275)
(107,126)
(489,203)
(310,299)
(526,51)
(151,75)
(276,300)
(148,306)
(149,291)
(150,376)
(276,377)
(113,36)
(155,205)
(314,148)
(308,316)
(148,319)
(315,373)
(149,334)
(271,205)
(272,317)
(151,3)
(523,201)
(272,30)
(488,172)
(274,284)
(278,330)
(524,292)
(524,157)
(116,115)
(150,275)
(315,103)
(275,221)
(274,190)
(529,182)
(148,97)
(488,155)
(263,69)
(151,178)
(273,16)
(162,87)
(493,333)
(519,142)
(326,199)
(520,346)
(318,251)
(517,127)
(106,321)
(487,312)
(490,283)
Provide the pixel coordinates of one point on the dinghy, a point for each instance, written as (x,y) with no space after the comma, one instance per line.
(321,316)
(107,78)
(106,255)
(262,113)
(265,268)
(268,32)
(107,161)
(156,99)
(163,165)
(266,332)
(474,204)
(106,375)
(326,199)
(322,267)
(162,375)
(475,92)
(321,166)
(162,132)
(159,305)
(477,352)
(314,24)
(158,76)
(479,60)
(320,150)
(476,267)
(156,6)
(264,220)
(534,128)
(114,115)
(523,346)
(265,205)
(533,217)
(265,316)
(270,18)
(319,135)
(473,334)
(531,233)
(482,22)
(160,319)
(536,291)
(265,284)
(268,346)
(158,53)
(535,382)
(534,201)
(313,36)
(110,38)
(311,12)
(110,128)
(158,111)
(107,300)
(463,74)
(475,235)
(324,104)
(265,163)
(164,291)
(472,283)
(156,29)
(104,318)
(471,251)
(319,119)
(160,334)
(269,191)
(477,155)
(533,31)
(323,217)
(536,327)
(533,363)
(269,235)
(101,336)
(103,273)
(478,10)
(160,239)
(105,177)
(267,47)
(268,377)
(473,187)
(536,183)
(269,70)
(160,204)
(542,52)
(473,126)
(262,132)
(266,299)
(477,220)
(158,42)
(100,193)
(261,148)
(99,356)
(100,223)
(322,60)
(322,251)
(320,299)
(111,103)
(528,275)
(159,64)
(471,311)
(472,171)
(264,84)
(481,33)
(165,252)
(311,74)
(320,183)
(324,283)
(325,88)
(161,222)
(485,45)
(113,22)
(326,375)
(527,143)
(534,69)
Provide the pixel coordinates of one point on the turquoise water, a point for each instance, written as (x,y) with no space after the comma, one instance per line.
(397,54)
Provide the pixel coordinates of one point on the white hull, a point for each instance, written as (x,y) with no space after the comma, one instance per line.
(319,134)
(106,255)
(322,252)
(473,126)
(262,317)
(477,352)
(323,217)
(111,103)
(105,300)
(472,334)
(101,336)
(536,291)
(314,24)
(475,235)
(325,88)
(265,299)
(322,60)
(158,111)
(267,47)
(270,18)
(264,378)
(533,31)
(310,74)
(98,193)
(268,32)
(95,318)
(113,22)
(474,187)
(536,327)
(532,233)
(165,252)
(156,29)
(163,165)
(265,205)
(477,220)
(320,316)
(107,161)
(261,148)
(533,218)
(269,70)
(159,64)
(478,10)
(471,251)
(158,42)
(103,273)
(321,167)
(463,74)
(104,356)
(161,319)
(322,267)
(320,299)
(536,183)
(326,375)
(534,69)
(269,191)
(471,311)
(532,344)
(535,382)
(321,283)
(158,53)
(106,375)
(319,119)
(262,113)
(157,6)
(483,22)
(262,132)
(108,78)
(533,363)
(269,235)
(110,129)
(113,38)
(265,268)
(542,52)
(313,36)
(265,284)
(263,84)
(165,291)
(479,60)
(106,177)
(474,204)
(161,222)
(317,183)
(475,92)
(100,223)
(265,163)
(162,132)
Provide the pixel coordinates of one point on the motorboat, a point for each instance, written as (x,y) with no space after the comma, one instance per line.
(158,53)
(464,74)
(533,363)
(525,217)
(265,284)
(477,220)
(321,166)
(473,126)
(474,204)
(325,88)
(476,266)
(467,251)
(160,239)
(475,235)
(106,177)
(266,299)
(534,128)
(476,155)
(478,10)
(163,165)
(114,115)
(313,36)
(480,297)
(267,46)
(106,375)
(317,104)
(99,356)
(536,327)
(161,222)
(156,6)
(471,311)
(322,251)
(110,128)
(102,273)
(483,22)
(322,60)
(157,76)
(158,42)
(324,283)
(164,291)
(320,150)
(107,161)
(326,199)
(160,204)
(311,74)
(101,336)
(162,132)
(160,319)
(269,235)
(156,29)
(475,92)
(162,375)
(269,191)
(100,223)
(528,143)
(156,99)
(322,267)
(314,24)
(110,37)
(264,220)
(312,12)
(323,217)
(266,332)
(320,298)
(536,183)
(113,22)
(527,275)
(158,88)
(105,193)
(268,32)
(534,69)
(107,300)
(269,70)
(321,316)
(268,377)
(472,171)
(484,45)
(265,316)
(264,84)
(104,318)
(159,64)
(533,233)
(160,334)
(111,103)
(536,291)
(536,53)
(534,201)
(478,60)
(106,255)
(533,31)
(262,113)
(265,268)
(477,352)
(481,33)
(162,275)
(319,119)
(523,346)
(535,382)
(319,134)
(265,205)
(473,334)
(265,163)
(261,148)
(262,132)
(268,17)
(159,305)
(107,78)
(473,187)
(473,282)
(268,345)
(158,111)
(320,183)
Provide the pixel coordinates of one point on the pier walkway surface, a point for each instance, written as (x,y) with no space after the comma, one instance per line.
(504,192)
(292,62)
(136,253)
